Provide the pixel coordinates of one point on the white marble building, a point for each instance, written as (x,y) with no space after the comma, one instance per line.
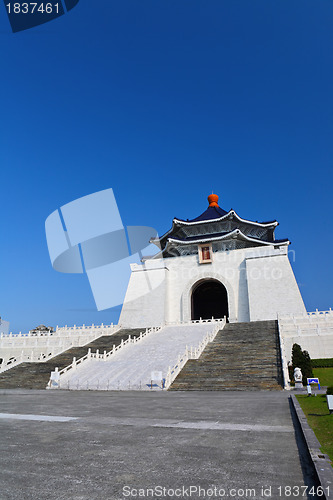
(215,265)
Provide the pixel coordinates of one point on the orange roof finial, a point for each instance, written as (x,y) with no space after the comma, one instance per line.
(213,199)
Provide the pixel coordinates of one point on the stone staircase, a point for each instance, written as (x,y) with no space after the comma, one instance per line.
(37,375)
(243,356)
(130,368)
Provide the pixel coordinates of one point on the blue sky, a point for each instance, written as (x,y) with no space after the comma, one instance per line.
(164,101)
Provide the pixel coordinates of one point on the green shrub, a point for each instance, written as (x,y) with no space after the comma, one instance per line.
(329,390)
(322,363)
(302,360)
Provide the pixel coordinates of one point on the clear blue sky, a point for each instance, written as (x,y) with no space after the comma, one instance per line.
(164,101)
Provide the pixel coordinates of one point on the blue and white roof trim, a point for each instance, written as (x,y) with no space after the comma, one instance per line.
(177,223)
(216,224)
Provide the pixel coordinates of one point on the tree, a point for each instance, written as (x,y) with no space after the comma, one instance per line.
(301,359)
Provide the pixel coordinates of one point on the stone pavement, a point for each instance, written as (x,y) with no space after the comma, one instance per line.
(118,444)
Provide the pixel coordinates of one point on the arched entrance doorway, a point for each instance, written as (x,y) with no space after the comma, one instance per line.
(209,299)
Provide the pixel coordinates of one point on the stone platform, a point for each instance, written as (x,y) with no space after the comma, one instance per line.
(117,442)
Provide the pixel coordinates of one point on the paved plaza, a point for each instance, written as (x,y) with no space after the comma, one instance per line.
(116,445)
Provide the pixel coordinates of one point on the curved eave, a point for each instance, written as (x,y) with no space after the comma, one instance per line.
(235,234)
(178,223)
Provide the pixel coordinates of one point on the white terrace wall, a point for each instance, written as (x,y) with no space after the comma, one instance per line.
(260,284)
(312,331)
(15,349)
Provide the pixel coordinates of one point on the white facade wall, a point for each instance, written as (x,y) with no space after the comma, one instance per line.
(259,281)
(144,303)
(272,287)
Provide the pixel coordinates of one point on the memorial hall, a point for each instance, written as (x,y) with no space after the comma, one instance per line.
(217,307)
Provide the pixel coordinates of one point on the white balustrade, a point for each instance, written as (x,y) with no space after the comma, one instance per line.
(194,321)
(307,317)
(15,349)
(313,331)
(316,323)
(284,361)
(106,355)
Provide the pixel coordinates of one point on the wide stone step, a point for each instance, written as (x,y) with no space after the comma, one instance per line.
(206,374)
(228,383)
(239,355)
(224,364)
(251,387)
(243,356)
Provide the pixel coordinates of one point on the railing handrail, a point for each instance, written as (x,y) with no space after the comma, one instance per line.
(319,323)
(283,355)
(66,328)
(306,316)
(193,321)
(105,355)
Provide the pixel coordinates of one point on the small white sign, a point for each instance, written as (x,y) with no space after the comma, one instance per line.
(156,376)
(330,402)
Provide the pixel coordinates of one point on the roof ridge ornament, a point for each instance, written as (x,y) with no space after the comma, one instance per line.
(213,199)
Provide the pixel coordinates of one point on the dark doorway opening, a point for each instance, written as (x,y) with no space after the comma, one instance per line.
(209,299)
